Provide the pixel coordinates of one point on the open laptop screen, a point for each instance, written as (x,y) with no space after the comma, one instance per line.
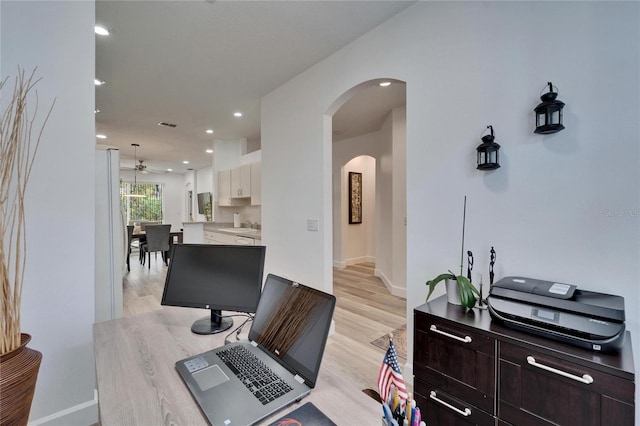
(292,323)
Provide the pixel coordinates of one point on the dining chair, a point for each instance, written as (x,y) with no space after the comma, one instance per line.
(129,241)
(145,223)
(157,241)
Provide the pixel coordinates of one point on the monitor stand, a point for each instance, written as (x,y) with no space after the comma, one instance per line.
(215,323)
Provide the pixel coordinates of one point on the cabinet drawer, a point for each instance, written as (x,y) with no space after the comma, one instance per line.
(209,237)
(212,237)
(457,359)
(442,409)
(537,388)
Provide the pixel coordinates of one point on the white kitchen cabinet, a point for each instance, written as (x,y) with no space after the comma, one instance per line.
(239,185)
(211,237)
(241,181)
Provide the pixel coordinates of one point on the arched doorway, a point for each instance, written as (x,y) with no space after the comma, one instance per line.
(369,120)
(366,130)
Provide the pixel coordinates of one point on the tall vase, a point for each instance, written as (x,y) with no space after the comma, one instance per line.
(18,373)
(453,292)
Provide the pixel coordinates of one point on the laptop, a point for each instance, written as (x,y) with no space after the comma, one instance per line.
(288,336)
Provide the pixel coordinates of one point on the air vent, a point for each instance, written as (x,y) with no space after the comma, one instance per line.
(165,124)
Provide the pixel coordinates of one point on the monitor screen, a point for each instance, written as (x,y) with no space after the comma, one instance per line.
(215,277)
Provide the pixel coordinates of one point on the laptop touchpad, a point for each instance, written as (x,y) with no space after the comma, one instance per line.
(210,377)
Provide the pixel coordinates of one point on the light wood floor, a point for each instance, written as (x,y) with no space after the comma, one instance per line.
(365,311)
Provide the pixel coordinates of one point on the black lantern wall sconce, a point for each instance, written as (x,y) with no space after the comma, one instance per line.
(488,152)
(549,113)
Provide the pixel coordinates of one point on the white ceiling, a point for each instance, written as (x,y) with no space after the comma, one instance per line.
(193,63)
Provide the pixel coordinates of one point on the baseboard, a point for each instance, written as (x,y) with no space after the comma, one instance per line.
(361,259)
(341,264)
(394,290)
(82,415)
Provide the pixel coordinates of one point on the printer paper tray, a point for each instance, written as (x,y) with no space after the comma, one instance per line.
(603,343)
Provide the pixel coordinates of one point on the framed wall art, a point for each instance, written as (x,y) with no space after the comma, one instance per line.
(355,197)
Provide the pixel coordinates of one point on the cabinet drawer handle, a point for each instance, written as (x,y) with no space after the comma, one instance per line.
(586,379)
(465,339)
(466,412)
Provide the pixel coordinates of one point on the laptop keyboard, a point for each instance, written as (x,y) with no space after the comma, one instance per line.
(263,383)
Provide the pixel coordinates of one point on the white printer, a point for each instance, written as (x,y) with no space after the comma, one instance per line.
(559,311)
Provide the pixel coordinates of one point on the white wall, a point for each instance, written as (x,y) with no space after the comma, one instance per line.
(174,193)
(399,201)
(562,207)
(58,294)
(391,238)
(358,240)
(343,152)
(189,181)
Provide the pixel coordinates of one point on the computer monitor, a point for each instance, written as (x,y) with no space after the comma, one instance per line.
(215,277)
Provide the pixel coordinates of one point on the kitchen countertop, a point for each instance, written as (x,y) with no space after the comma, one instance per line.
(227,228)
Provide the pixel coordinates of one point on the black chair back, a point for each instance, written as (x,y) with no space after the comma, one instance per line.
(157,237)
(129,236)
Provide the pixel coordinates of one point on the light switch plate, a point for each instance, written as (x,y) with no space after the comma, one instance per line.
(312,225)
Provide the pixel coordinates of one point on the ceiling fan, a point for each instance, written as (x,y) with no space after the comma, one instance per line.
(141,167)
(138,165)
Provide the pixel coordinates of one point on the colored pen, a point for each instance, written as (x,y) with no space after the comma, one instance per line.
(408,410)
(416,417)
(387,413)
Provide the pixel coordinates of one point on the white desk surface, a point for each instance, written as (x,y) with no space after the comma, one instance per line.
(138,383)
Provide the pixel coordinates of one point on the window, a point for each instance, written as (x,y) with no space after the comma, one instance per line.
(147,207)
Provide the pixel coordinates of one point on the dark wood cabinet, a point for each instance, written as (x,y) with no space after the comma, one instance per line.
(470,370)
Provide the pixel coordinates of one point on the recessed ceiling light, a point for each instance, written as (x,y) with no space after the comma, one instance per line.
(209,151)
(95,111)
(237,114)
(98,82)
(169,170)
(101,136)
(384,83)
(209,131)
(185,162)
(101,30)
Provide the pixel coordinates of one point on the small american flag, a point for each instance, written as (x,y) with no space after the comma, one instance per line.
(390,374)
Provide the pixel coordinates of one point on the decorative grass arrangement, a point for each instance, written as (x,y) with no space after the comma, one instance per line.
(19,144)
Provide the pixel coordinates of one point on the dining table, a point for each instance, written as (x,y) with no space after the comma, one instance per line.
(175,237)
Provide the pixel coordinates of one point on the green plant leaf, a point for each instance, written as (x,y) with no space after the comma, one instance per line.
(468,292)
(464,294)
(432,283)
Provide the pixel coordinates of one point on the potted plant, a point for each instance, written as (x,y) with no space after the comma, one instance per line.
(19,142)
(460,291)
